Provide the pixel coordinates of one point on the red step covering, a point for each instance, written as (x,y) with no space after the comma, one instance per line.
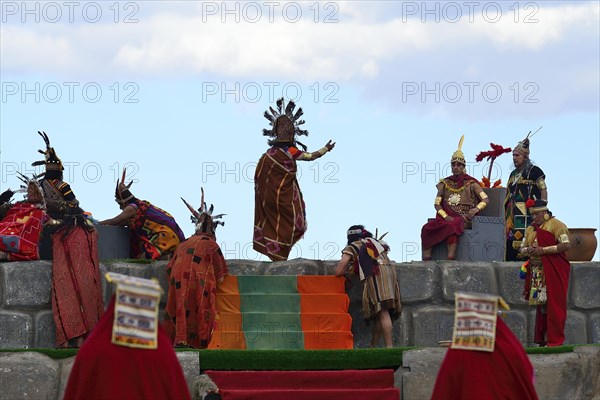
(303,385)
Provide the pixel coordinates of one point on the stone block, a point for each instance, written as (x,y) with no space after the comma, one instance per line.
(158,270)
(27,283)
(297,266)
(106,287)
(16,329)
(567,375)
(45,330)
(113,243)
(583,285)
(246,267)
(66,365)
(484,241)
(28,376)
(419,371)
(190,365)
(328,267)
(509,284)
(472,277)
(432,324)
(575,328)
(594,327)
(418,281)
(517,322)
(403,330)
(495,207)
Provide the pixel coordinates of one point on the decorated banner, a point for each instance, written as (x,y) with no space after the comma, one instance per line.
(136,311)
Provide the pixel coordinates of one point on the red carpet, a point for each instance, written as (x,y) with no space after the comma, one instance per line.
(306,385)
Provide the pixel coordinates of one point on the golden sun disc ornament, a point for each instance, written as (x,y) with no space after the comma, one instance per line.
(454,199)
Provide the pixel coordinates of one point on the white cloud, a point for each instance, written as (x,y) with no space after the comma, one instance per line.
(364,48)
(167,43)
(29,50)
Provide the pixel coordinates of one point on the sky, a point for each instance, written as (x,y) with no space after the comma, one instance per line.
(175,92)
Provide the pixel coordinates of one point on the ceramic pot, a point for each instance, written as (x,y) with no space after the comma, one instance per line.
(583,244)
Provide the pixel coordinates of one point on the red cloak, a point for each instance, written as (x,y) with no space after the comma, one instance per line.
(103,370)
(505,373)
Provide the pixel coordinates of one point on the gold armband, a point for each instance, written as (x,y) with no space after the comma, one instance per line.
(442,213)
(483,195)
(323,150)
(438,201)
(563,238)
(541,183)
(481,205)
(550,249)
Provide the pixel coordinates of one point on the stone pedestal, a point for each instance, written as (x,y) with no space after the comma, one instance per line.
(113,243)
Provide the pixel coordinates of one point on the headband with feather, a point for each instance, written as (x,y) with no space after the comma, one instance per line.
(523,146)
(27,183)
(122,193)
(203,218)
(51,160)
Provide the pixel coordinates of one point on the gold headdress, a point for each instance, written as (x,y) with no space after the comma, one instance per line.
(458,155)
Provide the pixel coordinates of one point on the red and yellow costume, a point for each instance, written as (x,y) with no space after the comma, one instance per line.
(20,231)
(547,282)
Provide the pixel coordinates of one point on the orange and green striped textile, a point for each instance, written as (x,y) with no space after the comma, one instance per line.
(282,312)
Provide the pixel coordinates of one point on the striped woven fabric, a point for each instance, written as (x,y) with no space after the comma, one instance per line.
(282,312)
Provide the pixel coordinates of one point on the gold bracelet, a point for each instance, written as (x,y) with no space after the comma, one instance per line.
(442,213)
(481,205)
(550,249)
(323,150)
(541,183)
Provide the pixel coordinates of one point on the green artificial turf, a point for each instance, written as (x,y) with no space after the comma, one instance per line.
(56,354)
(290,360)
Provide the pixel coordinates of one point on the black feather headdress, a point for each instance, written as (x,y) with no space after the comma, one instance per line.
(285,112)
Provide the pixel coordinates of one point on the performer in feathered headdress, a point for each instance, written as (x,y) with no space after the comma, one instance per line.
(22,222)
(459,198)
(526,181)
(279,214)
(366,256)
(154,232)
(195,270)
(76,289)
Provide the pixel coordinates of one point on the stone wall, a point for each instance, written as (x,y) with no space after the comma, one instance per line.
(427,296)
(571,376)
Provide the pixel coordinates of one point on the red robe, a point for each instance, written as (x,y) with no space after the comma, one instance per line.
(279,210)
(193,272)
(550,327)
(437,230)
(103,370)
(505,373)
(76,283)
